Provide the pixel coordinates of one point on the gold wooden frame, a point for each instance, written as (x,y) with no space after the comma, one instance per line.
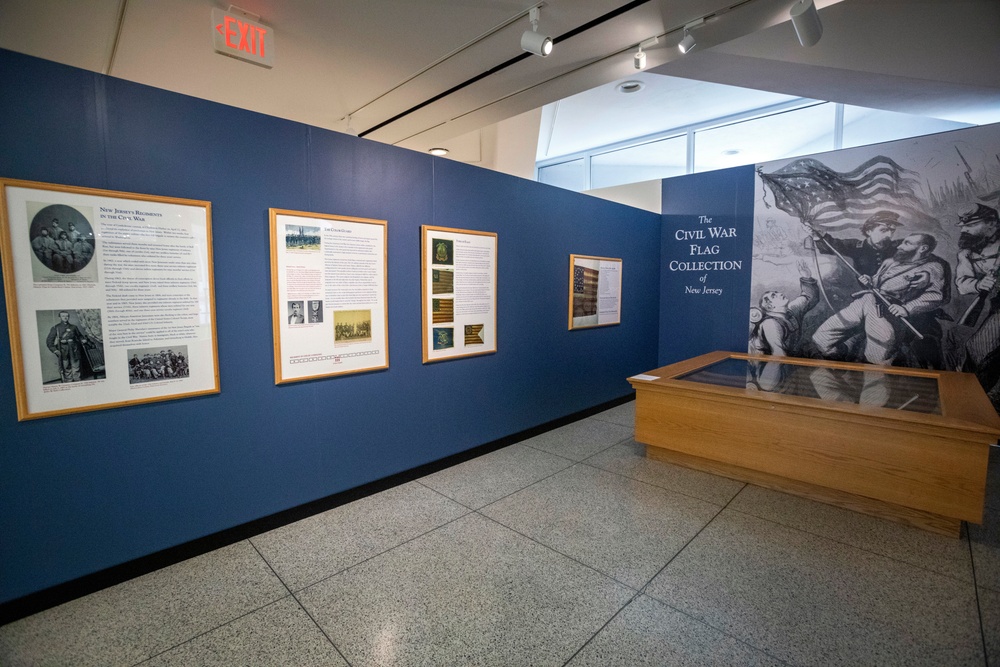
(425,286)
(572,265)
(12,260)
(926,470)
(276,299)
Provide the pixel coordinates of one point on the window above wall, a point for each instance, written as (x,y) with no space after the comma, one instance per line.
(669,127)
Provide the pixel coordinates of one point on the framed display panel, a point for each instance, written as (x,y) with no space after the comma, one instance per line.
(906,444)
(110,297)
(595,291)
(328,295)
(458,275)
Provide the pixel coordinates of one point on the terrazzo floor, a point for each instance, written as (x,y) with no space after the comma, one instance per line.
(569,548)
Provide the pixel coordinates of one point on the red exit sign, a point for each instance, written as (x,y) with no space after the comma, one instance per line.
(237,35)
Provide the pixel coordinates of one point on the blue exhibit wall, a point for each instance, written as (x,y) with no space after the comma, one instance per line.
(84,492)
(707,246)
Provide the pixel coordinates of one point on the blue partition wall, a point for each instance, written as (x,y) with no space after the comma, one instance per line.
(707,245)
(84,492)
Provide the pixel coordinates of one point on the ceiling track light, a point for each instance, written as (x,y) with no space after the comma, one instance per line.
(687,42)
(639,59)
(805,18)
(531,40)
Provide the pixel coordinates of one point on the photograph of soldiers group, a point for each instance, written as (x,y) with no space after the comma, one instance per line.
(149,364)
(72,345)
(352,326)
(301,237)
(891,260)
(62,239)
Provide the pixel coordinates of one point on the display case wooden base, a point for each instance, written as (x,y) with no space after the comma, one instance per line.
(917,459)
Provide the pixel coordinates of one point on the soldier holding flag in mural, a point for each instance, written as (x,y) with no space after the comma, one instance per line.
(876,191)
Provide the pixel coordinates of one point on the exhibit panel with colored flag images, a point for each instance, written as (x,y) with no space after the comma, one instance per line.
(595,291)
(885,254)
(459,288)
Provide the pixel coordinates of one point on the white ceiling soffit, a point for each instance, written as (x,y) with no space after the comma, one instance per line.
(377,59)
(933,58)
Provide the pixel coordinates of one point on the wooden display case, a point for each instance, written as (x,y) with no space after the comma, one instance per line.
(906,444)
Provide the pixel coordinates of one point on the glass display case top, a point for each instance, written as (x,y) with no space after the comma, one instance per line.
(861,387)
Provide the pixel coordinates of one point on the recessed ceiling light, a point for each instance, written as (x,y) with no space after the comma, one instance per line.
(438,151)
(630,87)
(732,151)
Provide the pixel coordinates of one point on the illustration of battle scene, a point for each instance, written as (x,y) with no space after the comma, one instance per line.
(886,255)
(301,237)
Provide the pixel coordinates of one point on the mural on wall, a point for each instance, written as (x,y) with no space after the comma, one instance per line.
(884,254)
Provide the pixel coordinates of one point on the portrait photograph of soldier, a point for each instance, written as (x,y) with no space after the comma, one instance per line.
(352,326)
(296,312)
(71,345)
(148,364)
(302,238)
(62,243)
(889,256)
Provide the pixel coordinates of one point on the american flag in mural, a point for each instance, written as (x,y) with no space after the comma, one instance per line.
(831,200)
(584,291)
(442,281)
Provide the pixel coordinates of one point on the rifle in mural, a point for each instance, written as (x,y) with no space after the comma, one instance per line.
(826,200)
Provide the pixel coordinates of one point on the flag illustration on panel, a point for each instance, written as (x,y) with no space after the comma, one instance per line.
(584,291)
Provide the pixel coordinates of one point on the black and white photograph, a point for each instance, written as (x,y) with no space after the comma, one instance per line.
(296,312)
(315,315)
(63,243)
(352,326)
(71,345)
(150,364)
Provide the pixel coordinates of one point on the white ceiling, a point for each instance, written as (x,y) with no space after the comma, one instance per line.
(379,59)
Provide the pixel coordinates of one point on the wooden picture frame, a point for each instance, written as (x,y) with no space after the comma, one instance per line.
(595,290)
(458,286)
(118,309)
(329,295)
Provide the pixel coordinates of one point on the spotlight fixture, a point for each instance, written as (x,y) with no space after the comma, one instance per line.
(639,59)
(438,151)
(805,18)
(531,40)
(687,42)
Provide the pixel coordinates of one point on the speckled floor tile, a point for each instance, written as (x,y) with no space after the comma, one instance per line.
(811,601)
(989,608)
(140,618)
(985,540)
(580,439)
(306,551)
(623,415)
(649,633)
(281,634)
(624,528)
(993,479)
(492,476)
(629,458)
(469,593)
(944,555)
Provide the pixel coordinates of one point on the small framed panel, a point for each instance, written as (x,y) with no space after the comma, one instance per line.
(595,291)
(328,295)
(459,292)
(110,297)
